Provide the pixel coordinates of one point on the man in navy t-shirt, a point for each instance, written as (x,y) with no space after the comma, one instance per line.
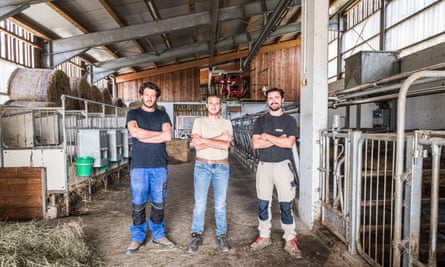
(150,128)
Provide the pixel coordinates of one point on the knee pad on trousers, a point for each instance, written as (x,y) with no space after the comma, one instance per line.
(286,212)
(157,213)
(138,214)
(263,209)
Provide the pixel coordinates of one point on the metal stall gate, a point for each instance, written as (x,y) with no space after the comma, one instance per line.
(424,231)
(335,160)
(374,198)
(49,137)
(385,199)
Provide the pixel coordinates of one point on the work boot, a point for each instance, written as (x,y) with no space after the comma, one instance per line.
(133,247)
(222,243)
(292,248)
(260,243)
(163,241)
(195,243)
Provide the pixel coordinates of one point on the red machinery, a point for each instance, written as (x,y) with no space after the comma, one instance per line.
(229,84)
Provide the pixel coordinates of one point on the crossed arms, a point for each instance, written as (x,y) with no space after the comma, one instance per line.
(221,141)
(147,136)
(266,140)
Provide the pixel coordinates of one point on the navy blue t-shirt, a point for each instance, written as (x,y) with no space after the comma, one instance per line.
(277,126)
(148,155)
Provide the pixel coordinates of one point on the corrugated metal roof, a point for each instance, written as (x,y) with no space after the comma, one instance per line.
(146,34)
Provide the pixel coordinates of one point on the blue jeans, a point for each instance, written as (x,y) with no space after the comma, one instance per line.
(218,175)
(145,182)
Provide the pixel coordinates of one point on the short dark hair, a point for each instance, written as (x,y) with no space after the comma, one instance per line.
(275,89)
(213,95)
(150,85)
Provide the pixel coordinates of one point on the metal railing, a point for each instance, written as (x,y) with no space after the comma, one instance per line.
(392,213)
(47,137)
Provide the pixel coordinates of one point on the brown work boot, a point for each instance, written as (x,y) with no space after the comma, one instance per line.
(260,243)
(292,248)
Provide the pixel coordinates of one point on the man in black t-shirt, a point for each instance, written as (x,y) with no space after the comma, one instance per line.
(273,135)
(150,128)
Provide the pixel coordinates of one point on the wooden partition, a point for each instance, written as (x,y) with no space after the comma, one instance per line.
(22,193)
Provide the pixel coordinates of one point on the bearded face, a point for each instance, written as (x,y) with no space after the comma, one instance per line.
(274,101)
(149,98)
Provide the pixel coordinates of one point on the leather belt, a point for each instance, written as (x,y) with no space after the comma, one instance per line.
(209,161)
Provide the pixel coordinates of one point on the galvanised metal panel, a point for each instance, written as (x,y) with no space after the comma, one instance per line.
(361,32)
(411,30)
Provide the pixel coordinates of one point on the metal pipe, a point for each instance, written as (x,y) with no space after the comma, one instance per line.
(381,89)
(397,77)
(432,252)
(43,177)
(277,13)
(419,92)
(67,190)
(398,177)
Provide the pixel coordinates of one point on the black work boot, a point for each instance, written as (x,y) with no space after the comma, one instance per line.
(195,243)
(222,243)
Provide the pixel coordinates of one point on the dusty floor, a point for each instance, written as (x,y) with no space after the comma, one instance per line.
(107,217)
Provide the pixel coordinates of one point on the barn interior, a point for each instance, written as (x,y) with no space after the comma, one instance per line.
(365,80)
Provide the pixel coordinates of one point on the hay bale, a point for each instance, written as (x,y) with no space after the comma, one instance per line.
(135,105)
(118,102)
(95,95)
(81,88)
(38,85)
(108,99)
(38,244)
(178,150)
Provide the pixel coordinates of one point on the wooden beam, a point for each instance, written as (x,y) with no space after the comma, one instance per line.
(181,66)
(30,26)
(202,62)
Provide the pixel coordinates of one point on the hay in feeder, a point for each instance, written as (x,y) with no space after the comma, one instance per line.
(135,105)
(43,85)
(95,95)
(107,99)
(79,87)
(38,244)
(118,102)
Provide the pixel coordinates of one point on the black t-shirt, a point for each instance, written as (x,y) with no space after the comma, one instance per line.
(148,155)
(277,126)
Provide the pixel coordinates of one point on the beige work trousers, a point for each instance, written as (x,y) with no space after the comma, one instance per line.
(278,174)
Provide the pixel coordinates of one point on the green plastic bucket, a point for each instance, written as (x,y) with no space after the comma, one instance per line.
(84,166)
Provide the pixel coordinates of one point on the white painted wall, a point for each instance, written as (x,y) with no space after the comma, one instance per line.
(6,69)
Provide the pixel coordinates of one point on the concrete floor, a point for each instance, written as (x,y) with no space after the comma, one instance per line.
(107,217)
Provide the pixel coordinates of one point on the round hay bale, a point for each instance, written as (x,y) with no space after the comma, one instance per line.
(95,95)
(80,88)
(108,99)
(118,102)
(135,105)
(38,85)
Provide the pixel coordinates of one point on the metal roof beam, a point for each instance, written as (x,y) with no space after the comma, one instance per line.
(116,64)
(213,30)
(5,3)
(152,28)
(9,11)
(276,16)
